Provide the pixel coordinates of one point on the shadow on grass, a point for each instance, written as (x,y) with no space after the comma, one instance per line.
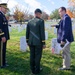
(19,64)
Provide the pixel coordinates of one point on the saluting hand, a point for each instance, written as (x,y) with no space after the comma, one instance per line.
(3,39)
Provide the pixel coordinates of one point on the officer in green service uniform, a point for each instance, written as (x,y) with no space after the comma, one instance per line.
(35,36)
(4,34)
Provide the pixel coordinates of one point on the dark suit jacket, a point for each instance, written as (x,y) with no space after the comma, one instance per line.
(35,32)
(4,26)
(65,30)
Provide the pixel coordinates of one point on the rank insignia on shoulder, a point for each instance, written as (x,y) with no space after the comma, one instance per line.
(27,39)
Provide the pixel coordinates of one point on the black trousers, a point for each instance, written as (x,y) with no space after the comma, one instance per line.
(35,58)
(2,54)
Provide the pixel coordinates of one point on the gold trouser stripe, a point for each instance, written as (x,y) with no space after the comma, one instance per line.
(1,34)
(27,39)
(43,41)
(1,53)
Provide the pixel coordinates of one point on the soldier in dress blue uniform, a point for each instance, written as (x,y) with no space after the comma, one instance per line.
(4,34)
(35,36)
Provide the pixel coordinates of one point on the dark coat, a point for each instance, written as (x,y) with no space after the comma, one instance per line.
(4,26)
(64,31)
(35,32)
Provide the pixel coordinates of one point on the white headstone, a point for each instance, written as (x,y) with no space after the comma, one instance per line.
(23,44)
(55,45)
(46,35)
(73,27)
(24,26)
(47,26)
(10,29)
(19,29)
(55,31)
(56,48)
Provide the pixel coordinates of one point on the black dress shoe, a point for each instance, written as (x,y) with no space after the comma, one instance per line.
(63,69)
(37,72)
(32,74)
(7,65)
(4,66)
(41,69)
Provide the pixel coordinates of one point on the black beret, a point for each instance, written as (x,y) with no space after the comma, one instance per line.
(38,11)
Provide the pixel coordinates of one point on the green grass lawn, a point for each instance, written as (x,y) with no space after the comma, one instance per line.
(19,61)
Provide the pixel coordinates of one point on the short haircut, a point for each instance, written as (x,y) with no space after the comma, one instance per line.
(63,8)
(38,11)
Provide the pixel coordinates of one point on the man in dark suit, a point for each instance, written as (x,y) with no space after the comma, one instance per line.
(64,34)
(35,36)
(5,34)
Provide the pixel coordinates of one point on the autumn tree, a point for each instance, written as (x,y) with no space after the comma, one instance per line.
(70,13)
(45,15)
(30,16)
(71,2)
(18,14)
(72,6)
